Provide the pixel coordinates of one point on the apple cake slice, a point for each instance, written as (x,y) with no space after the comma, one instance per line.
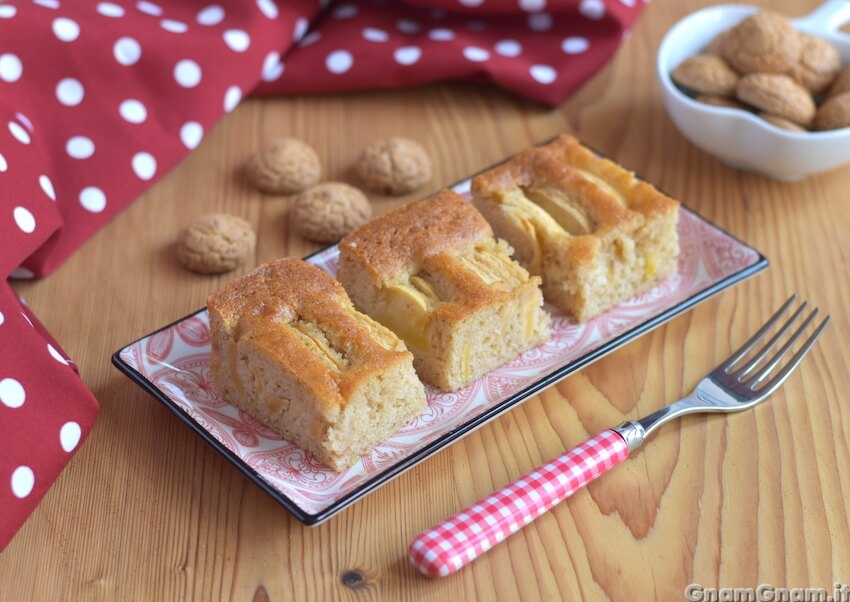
(595,233)
(289,348)
(434,274)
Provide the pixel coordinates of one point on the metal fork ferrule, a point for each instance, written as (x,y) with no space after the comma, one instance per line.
(633,433)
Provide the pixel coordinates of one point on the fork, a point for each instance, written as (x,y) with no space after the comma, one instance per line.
(733,386)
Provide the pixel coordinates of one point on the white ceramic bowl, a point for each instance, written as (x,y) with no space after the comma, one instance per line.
(739,138)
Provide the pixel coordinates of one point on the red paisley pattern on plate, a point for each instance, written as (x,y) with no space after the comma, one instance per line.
(246,429)
(159,345)
(661,290)
(442,408)
(501,386)
(722,259)
(188,377)
(194,331)
(290,463)
(385,455)
(214,428)
(176,361)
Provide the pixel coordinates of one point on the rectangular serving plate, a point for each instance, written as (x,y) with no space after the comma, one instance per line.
(172,364)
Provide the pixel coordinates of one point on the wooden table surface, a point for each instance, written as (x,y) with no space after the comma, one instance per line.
(147,511)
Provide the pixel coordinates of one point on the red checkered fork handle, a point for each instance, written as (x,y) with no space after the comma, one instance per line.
(456,541)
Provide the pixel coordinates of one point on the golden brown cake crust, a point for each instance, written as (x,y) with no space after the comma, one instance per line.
(594,232)
(406,237)
(433,272)
(556,163)
(261,304)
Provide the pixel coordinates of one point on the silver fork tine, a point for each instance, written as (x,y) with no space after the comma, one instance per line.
(774,361)
(736,357)
(755,361)
(798,357)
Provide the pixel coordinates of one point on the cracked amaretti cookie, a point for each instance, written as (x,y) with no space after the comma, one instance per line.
(434,274)
(594,232)
(289,348)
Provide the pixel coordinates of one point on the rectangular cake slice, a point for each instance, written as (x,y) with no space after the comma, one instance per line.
(595,233)
(434,274)
(289,349)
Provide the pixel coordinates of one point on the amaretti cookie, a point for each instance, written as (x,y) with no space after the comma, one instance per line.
(215,243)
(434,274)
(706,74)
(285,166)
(594,232)
(765,42)
(394,166)
(289,348)
(834,113)
(329,211)
(818,65)
(777,95)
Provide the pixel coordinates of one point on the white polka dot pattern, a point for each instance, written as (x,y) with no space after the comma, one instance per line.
(47,187)
(92,199)
(300,30)
(575,45)
(272,67)
(127,51)
(54,353)
(19,133)
(476,54)
(441,34)
(540,21)
(11,67)
(339,61)
(232,97)
(69,436)
(187,73)
(12,393)
(79,147)
(109,9)
(592,9)
(532,5)
(508,48)
(210,15)
(174,26)
(24,219)
(70,92)
(407,55)
(66,30)
(149,8)
(191,134)
(133,111)
(237,40)
(543,74)
(23,480)
(144,165)
(408,26)
(268,8)
(25,120)
(375,35)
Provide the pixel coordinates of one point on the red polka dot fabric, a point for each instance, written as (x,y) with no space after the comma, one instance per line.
(98,100)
